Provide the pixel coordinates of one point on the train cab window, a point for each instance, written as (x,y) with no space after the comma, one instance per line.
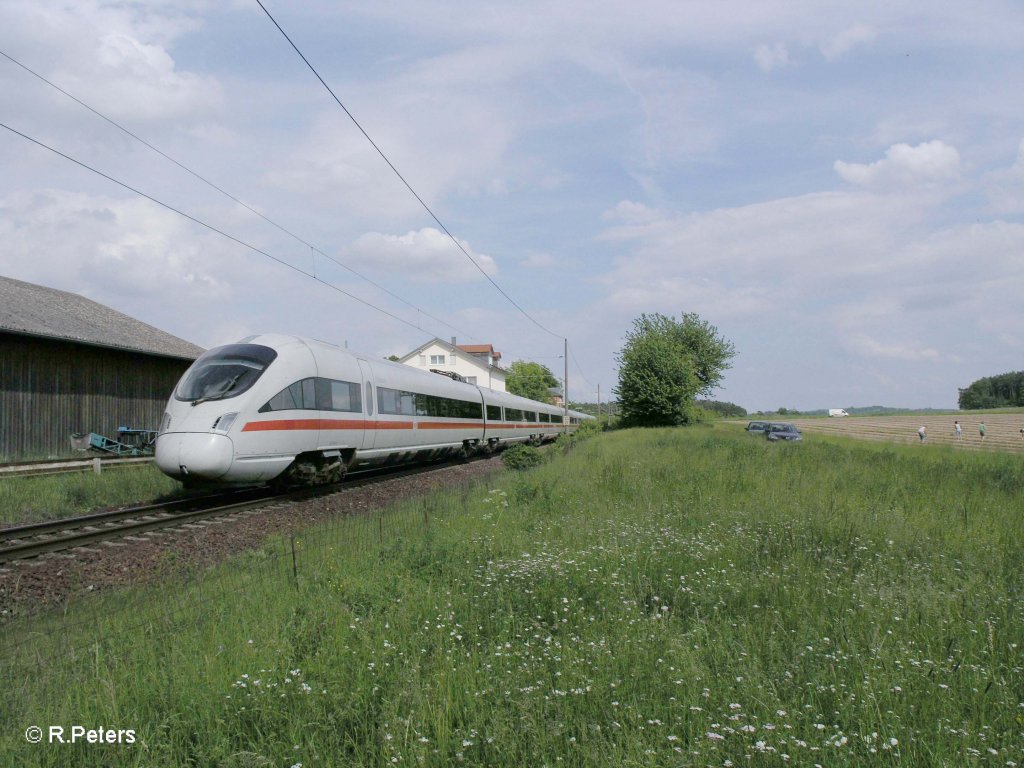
(334,395)
(494,413)
(224,372)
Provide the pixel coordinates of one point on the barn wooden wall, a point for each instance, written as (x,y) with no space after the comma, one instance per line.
(50,389)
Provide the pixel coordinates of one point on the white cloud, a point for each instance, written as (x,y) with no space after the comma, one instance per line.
(770,57)
(866,346)
(116,58)
(629,211)
(426,255)
(851,37)
(927,163)
(1005,187)
(538,260)
(65,239)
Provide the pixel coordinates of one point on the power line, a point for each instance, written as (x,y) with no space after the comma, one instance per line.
(210,227)
(579,368)
(401,177)
(224,192)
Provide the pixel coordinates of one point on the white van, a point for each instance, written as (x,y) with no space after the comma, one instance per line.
(837,412)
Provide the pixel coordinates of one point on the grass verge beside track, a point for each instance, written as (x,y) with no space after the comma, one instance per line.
(654,597)
(32,499)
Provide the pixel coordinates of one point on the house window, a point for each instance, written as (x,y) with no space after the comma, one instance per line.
(471,379)
(437,359)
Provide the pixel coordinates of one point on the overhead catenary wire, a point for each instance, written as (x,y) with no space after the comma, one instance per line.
(210,227)
(315,250)
(227,194)
(402,178)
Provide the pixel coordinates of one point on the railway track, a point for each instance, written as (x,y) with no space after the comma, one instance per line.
(34,539)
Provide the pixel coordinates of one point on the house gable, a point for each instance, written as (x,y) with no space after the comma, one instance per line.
(473,366)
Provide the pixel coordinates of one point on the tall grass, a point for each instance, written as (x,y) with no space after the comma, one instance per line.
(30,499)
(657,597)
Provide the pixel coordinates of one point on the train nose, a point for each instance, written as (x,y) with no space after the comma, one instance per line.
(194,454)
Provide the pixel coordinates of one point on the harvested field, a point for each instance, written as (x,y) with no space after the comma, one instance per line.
(1002,430)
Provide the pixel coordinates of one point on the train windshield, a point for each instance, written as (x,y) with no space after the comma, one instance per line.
(224,372)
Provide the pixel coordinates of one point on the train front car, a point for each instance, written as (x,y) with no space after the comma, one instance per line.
(199,436)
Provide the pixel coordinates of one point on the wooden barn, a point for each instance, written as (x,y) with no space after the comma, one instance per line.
(69,365)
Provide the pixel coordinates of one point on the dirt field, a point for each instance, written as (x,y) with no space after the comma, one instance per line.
(1002,430)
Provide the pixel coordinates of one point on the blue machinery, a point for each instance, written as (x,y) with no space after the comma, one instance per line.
(130,442)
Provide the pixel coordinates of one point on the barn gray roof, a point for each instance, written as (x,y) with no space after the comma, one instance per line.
(41,311)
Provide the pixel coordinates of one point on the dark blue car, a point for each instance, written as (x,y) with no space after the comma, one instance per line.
(776,431)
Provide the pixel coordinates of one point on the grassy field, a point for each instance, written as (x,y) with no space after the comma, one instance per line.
(1002,429)
(655,597)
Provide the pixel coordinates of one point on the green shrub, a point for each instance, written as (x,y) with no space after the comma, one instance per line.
(521,457)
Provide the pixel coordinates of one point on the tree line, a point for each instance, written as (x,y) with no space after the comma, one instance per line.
(1003,391)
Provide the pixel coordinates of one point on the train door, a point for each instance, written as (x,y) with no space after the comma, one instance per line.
(369,411)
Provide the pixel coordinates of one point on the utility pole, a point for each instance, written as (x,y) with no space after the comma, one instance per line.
(565,387)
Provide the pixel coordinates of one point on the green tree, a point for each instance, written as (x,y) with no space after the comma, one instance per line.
(665,364)
(531,380)
(1002,391)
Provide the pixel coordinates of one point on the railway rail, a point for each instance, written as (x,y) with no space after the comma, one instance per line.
(34,539)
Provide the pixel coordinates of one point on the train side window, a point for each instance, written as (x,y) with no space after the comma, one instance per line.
(556,418)
(395,401)
(529,416)
(545,418)
(334,395)
(494,413)
(408,406)
(434,405)
(387,400)
(294,397)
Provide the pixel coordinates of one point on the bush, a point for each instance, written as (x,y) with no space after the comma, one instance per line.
(520,457)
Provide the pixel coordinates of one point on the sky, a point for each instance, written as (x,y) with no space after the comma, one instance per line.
(837,187)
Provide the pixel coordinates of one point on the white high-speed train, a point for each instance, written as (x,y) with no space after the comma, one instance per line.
(293,410)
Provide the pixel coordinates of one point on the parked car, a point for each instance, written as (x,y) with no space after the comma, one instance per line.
(757,427)
(776,431)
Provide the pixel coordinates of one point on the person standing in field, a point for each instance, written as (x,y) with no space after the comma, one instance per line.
(922,432)
(981,431)
(958,431)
